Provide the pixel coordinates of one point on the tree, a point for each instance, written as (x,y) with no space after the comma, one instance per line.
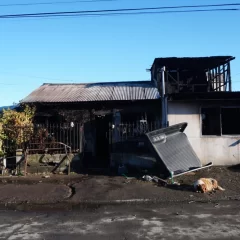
(16,127)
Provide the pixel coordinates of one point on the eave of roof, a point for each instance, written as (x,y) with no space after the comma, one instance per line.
(204,96)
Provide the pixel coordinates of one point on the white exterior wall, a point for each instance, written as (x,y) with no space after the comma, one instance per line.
(221,150)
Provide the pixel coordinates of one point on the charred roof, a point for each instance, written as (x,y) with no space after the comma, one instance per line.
(205,96)
(192,63)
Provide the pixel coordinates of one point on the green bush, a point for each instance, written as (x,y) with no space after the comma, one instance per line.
(1,153)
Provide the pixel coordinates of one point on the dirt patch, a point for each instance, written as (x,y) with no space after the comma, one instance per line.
(41,193)
(35,179)
(82,188)
(104,188)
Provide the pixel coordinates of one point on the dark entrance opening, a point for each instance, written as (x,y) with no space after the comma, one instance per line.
(211,124)
(230,121)
(102,141)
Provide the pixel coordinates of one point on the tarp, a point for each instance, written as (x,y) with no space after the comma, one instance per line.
(173,148)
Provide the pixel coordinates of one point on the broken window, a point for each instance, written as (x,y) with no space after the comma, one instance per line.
(230,120)
(211,121)
(220,121)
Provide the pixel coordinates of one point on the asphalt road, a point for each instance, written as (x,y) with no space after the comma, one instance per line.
(122,222)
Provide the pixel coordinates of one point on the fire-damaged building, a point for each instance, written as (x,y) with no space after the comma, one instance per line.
(106,122)
(199,91)
(103,122)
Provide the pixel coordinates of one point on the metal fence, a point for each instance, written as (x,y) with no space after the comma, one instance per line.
(131,130)
(130,137)
(40,137)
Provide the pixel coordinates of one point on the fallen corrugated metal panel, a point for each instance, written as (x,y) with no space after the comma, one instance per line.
(142,90)
(173,148)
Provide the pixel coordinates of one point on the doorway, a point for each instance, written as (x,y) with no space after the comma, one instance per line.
(102,141)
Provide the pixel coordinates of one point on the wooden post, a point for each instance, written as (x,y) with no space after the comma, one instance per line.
(167,85)
(80,138)
(69,167)
(26,157)
(178,80)
(69,162)
(209,81)
(224,77)
(219,78)
(229,77)
(214,80)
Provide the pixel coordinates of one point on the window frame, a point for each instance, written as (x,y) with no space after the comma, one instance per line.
(220,116)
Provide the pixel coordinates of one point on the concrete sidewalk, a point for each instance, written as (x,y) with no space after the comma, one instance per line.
(79,189)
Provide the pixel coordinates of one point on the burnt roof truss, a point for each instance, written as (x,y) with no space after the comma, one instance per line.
(200,75)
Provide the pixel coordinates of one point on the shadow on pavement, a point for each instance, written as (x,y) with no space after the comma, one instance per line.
(235,168)
(182,187)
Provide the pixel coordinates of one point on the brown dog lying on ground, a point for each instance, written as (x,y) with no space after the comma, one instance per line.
(206,185)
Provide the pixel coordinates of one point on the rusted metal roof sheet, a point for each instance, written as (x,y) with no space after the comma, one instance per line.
(141,90)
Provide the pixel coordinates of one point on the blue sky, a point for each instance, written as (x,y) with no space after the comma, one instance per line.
(120,48)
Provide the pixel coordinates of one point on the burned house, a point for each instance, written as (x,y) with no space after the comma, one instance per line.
(106,123)
(199,91)
(97,119)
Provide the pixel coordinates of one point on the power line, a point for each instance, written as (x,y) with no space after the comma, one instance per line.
(123,10)
(120,14)
(54,3)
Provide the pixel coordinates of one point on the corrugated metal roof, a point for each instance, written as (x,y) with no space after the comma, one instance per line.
(141,90)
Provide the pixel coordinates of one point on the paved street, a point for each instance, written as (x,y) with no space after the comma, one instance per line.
(121,222)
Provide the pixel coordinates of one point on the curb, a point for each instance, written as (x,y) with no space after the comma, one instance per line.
(84,205)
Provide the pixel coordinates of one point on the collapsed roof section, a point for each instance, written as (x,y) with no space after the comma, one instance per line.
(192,63)
(194,74)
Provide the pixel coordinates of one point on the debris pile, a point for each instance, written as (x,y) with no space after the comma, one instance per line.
(155,179)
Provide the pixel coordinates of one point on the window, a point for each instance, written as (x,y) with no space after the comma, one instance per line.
(220,121)
(211,121)
(230,121)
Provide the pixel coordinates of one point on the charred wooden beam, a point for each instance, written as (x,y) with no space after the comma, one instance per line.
(229,77)
(178,80)
(219,77)
(224,77)
(209,80)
